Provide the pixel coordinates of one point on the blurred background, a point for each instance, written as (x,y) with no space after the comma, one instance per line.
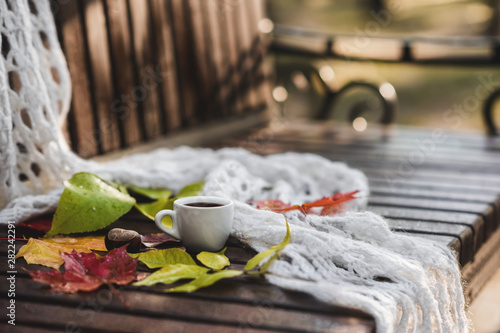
(444,29)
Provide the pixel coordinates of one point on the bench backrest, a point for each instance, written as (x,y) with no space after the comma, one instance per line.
(143,69)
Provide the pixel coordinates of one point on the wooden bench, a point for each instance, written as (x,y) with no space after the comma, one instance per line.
(215,88)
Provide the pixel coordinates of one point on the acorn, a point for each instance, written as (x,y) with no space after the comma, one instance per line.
(118,237)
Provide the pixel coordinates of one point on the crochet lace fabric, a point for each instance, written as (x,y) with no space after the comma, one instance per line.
(408,284)
(35,93)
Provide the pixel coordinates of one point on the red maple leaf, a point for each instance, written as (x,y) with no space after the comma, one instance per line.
(331,205)
(87,272)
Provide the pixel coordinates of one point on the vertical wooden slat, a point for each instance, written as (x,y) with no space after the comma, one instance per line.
(240,56)
(226,68)
(186,60)
(219,54)
(246,36)
(143,67)
(201,50)
(212,57)
(183,114)
(166,68)
(228,11)
(143,93)
(255,11)
(81,119)
(123,75)
(107,134)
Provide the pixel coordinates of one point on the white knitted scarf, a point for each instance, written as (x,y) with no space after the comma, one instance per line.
(408,284)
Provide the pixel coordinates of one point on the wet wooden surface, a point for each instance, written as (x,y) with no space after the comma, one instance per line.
(242,304)
(451,196)
(426,182)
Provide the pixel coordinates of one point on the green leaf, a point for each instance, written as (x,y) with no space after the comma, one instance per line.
(191,190)
(173,273)
(118,186)
(87,204)
(273,251)
(152,193)
(216,261)
(160,258)
(204,280)
(150,209)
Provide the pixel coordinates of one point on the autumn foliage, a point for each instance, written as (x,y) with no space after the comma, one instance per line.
(330,205)
(87,272)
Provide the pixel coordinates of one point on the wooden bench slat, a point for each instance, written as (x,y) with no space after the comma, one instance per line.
(228,15)
(188,307)
(146,97)
(246,36)
(166,67)
(476,223)
(411,192)
(183,48)
(25,329)
(404,156)
(369,160)
(391,146)
(461,233)
(491,217)
(440,176)
(215,59)
(31,313)
(121,55)
(80,120)
(201,47)
(430,186)
(452,242)
(484,210)
(106,132)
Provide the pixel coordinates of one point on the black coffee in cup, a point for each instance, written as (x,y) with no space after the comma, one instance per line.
(204,204)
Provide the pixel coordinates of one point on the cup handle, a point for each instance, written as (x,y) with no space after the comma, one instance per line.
(174,231)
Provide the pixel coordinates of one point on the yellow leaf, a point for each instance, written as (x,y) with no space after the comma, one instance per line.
(46,251)
(89,242)
(160,258)
(204,280)
(274,252)
(172,273)
(216,261)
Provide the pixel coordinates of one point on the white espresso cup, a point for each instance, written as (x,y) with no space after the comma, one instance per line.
(202,223)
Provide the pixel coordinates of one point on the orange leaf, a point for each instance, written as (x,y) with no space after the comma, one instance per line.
(47,251)
(331,205)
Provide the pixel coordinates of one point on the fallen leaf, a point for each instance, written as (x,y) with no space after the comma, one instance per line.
(331,205)
(216,261)
(150,209)
(190,190)
(273,205)
(153,240)
(87,272)
(332,210)
(160,258)
(47,251)
(172,273)
(152,193)
(205,280)
(88,203)
(273,251)
(39,225)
